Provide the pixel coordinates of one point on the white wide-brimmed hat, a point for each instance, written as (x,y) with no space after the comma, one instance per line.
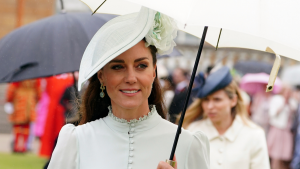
(122,33)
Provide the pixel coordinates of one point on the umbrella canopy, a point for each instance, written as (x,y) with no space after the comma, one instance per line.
(291,75)
(244,67)
(255,24)
(47,47)
(256,82)
(265,25)
(174,53)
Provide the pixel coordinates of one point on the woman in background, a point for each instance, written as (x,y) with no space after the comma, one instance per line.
(219,112)
(260,110)
(280,137)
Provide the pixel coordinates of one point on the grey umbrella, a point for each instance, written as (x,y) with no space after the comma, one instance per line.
(174,53)
(47,47)
(245,67)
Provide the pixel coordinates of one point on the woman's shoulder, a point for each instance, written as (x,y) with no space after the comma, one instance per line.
(252,129)
(71,128)
(194,126)
(65,154)
(68,130)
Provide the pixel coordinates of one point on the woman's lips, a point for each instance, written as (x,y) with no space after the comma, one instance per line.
(130,92)
(212,114)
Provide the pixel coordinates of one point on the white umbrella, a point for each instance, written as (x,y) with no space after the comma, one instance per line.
(265,25)
(250,24)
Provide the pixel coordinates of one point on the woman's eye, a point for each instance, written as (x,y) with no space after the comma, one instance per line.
(117,67)
(205,99)
(217,99)
(142,66)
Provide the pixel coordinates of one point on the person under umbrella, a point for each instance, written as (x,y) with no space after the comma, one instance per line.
(235,141)
(179,77)
(122,124)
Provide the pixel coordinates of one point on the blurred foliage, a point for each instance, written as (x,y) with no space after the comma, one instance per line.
(21,161)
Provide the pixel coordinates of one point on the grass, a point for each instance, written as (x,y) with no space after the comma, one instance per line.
(21,161)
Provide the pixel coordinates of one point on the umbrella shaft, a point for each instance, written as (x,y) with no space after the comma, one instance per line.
(62,5)
(188,93)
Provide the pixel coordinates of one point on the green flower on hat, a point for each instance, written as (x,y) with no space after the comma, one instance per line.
(162,34)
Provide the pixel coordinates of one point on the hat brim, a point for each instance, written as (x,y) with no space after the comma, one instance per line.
(91,63)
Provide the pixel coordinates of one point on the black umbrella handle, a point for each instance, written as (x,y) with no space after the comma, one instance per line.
(188,93)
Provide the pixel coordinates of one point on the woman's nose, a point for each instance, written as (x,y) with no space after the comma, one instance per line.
(210,105)
(130,76)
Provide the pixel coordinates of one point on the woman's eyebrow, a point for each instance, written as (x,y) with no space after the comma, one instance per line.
(140,59)
(117,61)
(122,61)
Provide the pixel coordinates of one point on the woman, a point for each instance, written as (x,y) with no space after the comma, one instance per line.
(260,110)
(280,137)
(235,141)
(122,124)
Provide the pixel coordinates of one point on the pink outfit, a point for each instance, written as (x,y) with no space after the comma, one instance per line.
(280,143)
(280,138)
(42,110)
(260,111)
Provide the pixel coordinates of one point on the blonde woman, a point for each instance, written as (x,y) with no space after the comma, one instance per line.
(235,142)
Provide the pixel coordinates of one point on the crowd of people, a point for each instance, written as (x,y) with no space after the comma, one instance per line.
(42,105)
(276,113)
(47,104)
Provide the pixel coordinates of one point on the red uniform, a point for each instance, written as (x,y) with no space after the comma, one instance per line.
(56,85)
(24,96)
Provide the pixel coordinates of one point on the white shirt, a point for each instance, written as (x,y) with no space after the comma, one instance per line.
(281,119)
(240,147)
(113,143)
(181,85)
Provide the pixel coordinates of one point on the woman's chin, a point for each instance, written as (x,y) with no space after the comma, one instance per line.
(214,118)
(130,105)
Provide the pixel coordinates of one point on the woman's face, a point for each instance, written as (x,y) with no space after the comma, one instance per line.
(217,106)
(128,78)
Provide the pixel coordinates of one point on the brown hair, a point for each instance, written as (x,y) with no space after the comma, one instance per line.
(92,107)
(195,110)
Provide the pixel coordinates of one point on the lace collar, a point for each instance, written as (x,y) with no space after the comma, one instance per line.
(145,117)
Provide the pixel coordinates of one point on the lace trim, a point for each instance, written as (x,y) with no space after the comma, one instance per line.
(145,117)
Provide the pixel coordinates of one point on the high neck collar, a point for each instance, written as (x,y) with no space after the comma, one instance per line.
(143,123)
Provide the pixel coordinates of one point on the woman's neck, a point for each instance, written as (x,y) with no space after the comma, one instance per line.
(223,125)
(130,113)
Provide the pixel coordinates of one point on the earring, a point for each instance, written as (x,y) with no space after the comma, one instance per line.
(102,93)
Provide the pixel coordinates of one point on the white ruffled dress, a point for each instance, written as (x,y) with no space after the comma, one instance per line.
(113,143)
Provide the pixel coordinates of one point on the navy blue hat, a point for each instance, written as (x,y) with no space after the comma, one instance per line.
(215,81)
(199,80)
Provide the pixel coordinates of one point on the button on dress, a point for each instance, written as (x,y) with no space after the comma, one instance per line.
(113,143)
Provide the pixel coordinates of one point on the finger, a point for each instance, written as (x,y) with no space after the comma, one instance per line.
(163,165)
(174,159)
